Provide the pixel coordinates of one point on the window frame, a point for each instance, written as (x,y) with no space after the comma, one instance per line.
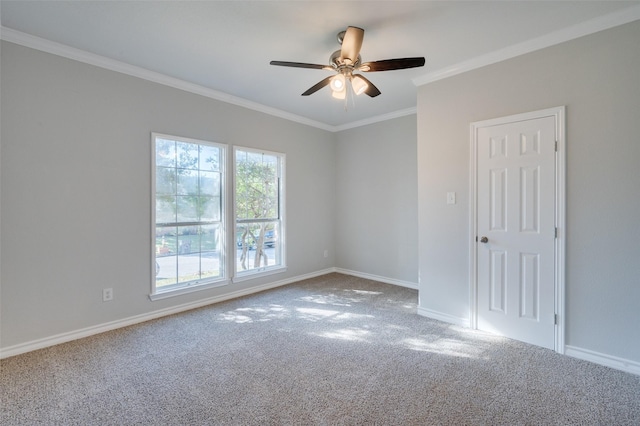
(239,276)
(201,284)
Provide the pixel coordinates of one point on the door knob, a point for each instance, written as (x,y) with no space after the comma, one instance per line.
(484,240)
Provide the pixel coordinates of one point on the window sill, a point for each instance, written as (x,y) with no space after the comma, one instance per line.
(185,290)
(259,273)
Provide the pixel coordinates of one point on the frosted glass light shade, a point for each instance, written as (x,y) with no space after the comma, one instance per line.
(339,95)
(338,83)
(358,84)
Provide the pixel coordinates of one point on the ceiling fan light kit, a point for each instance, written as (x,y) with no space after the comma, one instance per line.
(358,84)
(339,94)
(347,60)
(338,83)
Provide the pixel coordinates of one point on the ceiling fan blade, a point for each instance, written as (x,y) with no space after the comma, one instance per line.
(301,65)
(318,86)
(351,44)
(392,64)
(371,90)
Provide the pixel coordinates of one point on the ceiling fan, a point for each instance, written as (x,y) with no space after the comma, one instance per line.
(346,61)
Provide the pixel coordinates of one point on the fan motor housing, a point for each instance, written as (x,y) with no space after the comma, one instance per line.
(336,61)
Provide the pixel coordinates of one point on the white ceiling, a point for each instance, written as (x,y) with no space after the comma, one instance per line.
(225,46)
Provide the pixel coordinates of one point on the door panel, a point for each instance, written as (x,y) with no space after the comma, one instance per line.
(498,281)
(498,194)
(516,212)
(529,285)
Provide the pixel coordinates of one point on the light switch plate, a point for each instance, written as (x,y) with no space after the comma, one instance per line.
(451,197)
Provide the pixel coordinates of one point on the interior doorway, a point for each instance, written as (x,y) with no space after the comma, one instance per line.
(517,227)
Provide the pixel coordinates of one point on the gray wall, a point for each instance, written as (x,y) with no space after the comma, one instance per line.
(376,218)
(598,78)
(75,190)
(75,201)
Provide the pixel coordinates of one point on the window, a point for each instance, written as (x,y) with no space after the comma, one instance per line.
(188,211)
(259,211)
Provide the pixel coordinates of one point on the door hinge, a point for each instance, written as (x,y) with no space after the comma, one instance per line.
(555,319)
(556,148)
(555,233)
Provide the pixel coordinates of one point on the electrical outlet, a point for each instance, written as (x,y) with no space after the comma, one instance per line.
(107,294)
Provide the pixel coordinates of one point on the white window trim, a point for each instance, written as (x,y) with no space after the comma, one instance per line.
(188,289)
(207,283)
(267,270)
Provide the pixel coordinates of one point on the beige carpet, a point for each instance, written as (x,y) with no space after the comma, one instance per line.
(333,350)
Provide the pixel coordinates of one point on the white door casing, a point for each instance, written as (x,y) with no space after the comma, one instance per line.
(516,278)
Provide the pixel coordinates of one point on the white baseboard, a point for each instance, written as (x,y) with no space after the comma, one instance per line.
(385,280)
(440,316)
(136,319)
(611,361)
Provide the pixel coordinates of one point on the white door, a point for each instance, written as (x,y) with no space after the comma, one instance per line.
(516,196)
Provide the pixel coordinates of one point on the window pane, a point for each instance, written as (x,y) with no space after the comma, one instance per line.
(210,255)
(271,205)
(188,253)
(254,157)
(166,268)
(165,241)
(187,208)
(209,158)
(188,239)
(187,155)
(165,153)
(271,235)
(187,182)
(209,183)
(258,246)
(165,209)
(210,265)
(165,180)
(209,238)
(257,186)
(209,209)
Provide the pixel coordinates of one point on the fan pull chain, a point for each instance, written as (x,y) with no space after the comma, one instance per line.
(349,93)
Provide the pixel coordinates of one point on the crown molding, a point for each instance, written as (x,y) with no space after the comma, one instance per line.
(592,26)
(79,55)
(376,119)
(68,52)
(604,22)
(83,56)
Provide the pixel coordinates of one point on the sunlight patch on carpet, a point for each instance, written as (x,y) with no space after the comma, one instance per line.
(441,346)
(314,314)
(348,334)
(329,299)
